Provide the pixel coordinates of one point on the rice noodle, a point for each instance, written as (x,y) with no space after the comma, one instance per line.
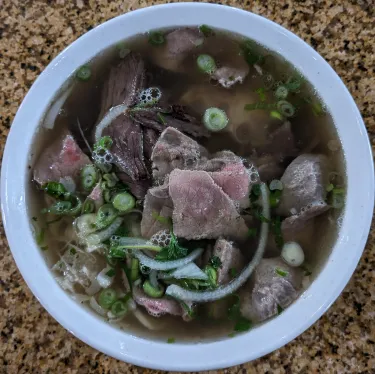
(167,265)
(154,279)
(96,307)
(189,271)
(103,279)
(222,291)
(109,117)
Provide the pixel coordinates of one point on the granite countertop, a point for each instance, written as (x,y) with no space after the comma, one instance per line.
(32,33)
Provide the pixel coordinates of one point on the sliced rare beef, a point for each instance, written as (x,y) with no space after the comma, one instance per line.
(269,168)
(158,118)
(274,284)
(232,260)
(304,185)
(157,307)
(127,147)
(174,150)
(228,76)
(178,45)
(62,159)
(150,137)
(157,204)
(201,208)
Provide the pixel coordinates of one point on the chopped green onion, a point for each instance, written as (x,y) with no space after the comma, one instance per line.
(277,232)
(248,51)
(124,202)
(330,187)
(134,269)
(252,232)
(40,237)
(107,297)
(70,208)
(233,272)
(279,309)
(276,185)
(317,109)
(286,108)
(104,143)
(83,73)
(337,198)
(268,81)
(111,273)
(215,119)
(281,272)
(167,221)
(261,93)
(275,114)
(293,84)
(119,308)
(88,206)
(275,196)
(105,216)
(156,38)
(171,340)
(89,177)
(231,335)
(55,189)
(155,292)
(110,180)
(281,92)
(243,324)
(206,64)
(72,251)
(212,275)
(161,118)
(206,30)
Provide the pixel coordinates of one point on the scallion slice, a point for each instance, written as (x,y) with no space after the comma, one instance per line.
(107,297)
(89,177)
(156,38)
(150,290)
(124,202)
(206,64)
(119,308)
(215,119)
(281,92)
(83,73)
(286,108)
(105,216)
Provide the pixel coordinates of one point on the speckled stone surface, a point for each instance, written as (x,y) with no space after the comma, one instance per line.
(33,32)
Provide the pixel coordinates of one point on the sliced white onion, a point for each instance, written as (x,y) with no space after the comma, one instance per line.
(54,109)
(109,117)
(222,291)
(150,322)
(103,235)
(80,297)
(103,279)
(93,288)
(292,253)
(85,224)
(189,271)
(137,243)
(167,265)
(97,308)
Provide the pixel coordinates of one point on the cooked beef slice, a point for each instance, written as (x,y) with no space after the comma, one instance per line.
(157,203)
(158,118)
(267,289)
(123,83)
(174,150)
(157,307)
(63,158)
(304,186)
(228,76)
(178,44)
(269,167)
(201,208)
(150,137)
(127,147)
(231,258)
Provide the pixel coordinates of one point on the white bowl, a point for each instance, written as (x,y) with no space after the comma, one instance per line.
(226,351)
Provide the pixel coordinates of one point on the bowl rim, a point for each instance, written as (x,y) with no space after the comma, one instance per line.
(207,355)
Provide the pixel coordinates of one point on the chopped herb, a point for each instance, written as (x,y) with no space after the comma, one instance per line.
(171,340)
(274,197)
(122,231)
(34,219)
(243,324)
(261,93)
(190,312)
(44,247)
(257,213)
(156,38)
(231,335)
(55,189)
(293,84)
(233,272)
(330,187)
(167,221)
(83,73)
(252,232)
(277,115)
(212,275)
(162,118)
(277,232)
(215,262)
(248,50)
(40,237)
(317,109)
(173,251)
(103,143)
(234,310)
(111,273)
(307,272)
(206,30)
(255,192)
(279,309)
(72,251)
(336,198)
(281,272)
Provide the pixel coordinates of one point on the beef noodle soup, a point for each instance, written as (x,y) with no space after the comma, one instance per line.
(187,184)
